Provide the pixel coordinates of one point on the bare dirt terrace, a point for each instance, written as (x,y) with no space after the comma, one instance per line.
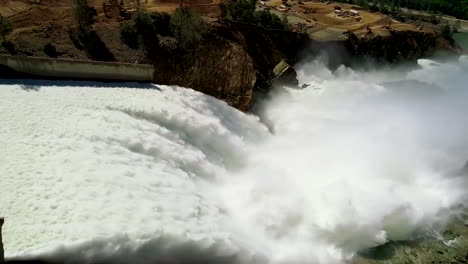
(321,21)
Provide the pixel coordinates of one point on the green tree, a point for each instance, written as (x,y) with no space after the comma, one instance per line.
(129,35)
(143,30)
(245,11)
(161,22)
(266,19)
(447,32)
(188,27)
(5,27)
(224,10)
(146,31)
(83,14)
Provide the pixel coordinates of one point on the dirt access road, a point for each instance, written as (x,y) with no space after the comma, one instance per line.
(322,23)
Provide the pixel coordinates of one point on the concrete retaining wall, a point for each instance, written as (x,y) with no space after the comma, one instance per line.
(73,69)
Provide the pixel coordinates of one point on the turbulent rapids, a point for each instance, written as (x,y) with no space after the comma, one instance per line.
(101,173)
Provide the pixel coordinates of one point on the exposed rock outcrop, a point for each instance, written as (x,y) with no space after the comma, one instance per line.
(222,69)
(285,74)
(266,47)
(243,60)
(235,61)
(399,45)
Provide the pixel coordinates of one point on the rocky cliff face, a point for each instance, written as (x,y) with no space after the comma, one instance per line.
(222,69)
(399,45)
(232,63)
(236,60)
(240,59)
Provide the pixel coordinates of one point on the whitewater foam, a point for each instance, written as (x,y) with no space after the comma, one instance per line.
(124,175)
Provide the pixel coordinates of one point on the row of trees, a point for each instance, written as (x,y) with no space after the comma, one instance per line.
(457,8)
(245,11)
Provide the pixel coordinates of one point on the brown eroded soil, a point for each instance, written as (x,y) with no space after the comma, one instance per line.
(39,22)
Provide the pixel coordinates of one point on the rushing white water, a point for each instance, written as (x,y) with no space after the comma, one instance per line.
(123,175)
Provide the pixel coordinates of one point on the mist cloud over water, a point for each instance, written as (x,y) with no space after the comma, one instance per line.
(126,175)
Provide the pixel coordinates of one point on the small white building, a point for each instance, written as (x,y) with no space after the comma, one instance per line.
(354,12)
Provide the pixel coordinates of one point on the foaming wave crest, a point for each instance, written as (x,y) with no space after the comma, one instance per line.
(164,175)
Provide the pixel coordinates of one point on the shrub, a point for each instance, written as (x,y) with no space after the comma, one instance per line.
(83,14)
(447,32)
(161,22)
(9,46)
(5,27)
(242,11)
(224,10)
(146,32)
(144,25)
(245,11)
(268,20)
(50,50)
(129,35)
(188,27)
(143,29)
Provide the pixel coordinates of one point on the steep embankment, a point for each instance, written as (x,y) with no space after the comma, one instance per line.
(239,59)
(399,45)
(234,62)
(220,68)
